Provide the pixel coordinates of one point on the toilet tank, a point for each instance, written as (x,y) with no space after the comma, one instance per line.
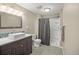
(33,36)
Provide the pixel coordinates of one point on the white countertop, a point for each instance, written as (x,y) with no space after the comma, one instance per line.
(9,40)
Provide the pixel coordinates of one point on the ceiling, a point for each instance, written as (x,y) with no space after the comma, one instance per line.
(38,8)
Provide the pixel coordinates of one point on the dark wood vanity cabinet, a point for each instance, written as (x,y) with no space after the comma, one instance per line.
(19,47)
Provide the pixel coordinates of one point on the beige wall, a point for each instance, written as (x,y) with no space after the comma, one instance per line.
(28,20)
(71,22)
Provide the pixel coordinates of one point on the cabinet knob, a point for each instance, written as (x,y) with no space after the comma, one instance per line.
(21,45)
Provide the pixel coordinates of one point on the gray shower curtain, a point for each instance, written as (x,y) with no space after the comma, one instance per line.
(44,31)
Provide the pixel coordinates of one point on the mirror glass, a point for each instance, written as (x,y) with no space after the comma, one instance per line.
(10,21)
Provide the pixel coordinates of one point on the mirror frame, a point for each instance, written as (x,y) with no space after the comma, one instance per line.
(10,27)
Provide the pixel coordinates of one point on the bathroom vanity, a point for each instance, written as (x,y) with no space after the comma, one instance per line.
(21,46)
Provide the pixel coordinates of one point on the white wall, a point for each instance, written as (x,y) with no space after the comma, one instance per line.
(37,26)
(71,22)
(28,20)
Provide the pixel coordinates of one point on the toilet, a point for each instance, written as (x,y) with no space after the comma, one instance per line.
(36,42)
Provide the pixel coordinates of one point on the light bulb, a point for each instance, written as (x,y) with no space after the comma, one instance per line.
(17,11)
(20,13)
(11,9)
(47,9)
(3,7)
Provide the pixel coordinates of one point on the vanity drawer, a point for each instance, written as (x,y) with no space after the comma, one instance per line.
(6,52)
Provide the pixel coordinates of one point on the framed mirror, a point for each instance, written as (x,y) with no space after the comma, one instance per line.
(10,21)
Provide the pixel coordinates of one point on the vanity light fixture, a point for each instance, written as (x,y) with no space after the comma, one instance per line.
(10,10)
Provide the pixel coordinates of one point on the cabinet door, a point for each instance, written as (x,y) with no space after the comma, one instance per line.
(19,48)
(29,46)
(6,49)
(25,49)
(13,45)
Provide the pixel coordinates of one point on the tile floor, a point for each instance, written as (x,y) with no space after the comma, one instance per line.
(47,50)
